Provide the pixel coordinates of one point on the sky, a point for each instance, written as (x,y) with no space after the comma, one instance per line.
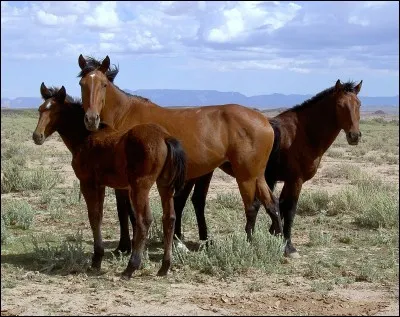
(251,47)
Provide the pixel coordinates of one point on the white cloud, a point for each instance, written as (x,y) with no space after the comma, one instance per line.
(357,20)
(106,36)
(52,19)
(239,22)
(228,35)
(104,16)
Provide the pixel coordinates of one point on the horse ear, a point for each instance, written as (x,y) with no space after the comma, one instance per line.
(81,62)
(46,94)
(61,94)
(338,86)
(105,65)
(358,88)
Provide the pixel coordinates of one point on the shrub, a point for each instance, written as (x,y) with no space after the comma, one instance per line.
(17,213)
(233,254)
(66,256)
(311,203)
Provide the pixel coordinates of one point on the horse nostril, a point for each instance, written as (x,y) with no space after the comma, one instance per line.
(97,117)
(359,134)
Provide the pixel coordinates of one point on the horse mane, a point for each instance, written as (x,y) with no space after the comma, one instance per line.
(347,87)
(93,64)
(72,101)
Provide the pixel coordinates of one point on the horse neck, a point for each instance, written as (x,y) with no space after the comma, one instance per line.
(71,129)
(121,111)
(319,124)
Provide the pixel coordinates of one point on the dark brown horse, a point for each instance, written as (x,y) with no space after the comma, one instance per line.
(210,135)
(302,136)
(133,161)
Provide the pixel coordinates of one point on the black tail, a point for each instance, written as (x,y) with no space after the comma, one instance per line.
(176,161)
(271,171)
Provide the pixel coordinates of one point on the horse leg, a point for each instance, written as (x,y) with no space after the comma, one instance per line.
(94,197)
(247,190)
(227,168)
(271,205)
(124,210)
(179,205)
(199,203)
(288,204)
(168,226)
(139,196)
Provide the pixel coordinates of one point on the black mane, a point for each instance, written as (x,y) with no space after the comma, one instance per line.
(74,102)
(347,87)
(93,64)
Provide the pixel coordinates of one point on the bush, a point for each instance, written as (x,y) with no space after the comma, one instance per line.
(17,213)
(229,200)
(15,180)
(4,232)
(233,254)
(312,203)
(67,256)
(44,179)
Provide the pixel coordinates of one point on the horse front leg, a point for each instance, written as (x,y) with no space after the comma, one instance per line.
(94,197)
(124,209)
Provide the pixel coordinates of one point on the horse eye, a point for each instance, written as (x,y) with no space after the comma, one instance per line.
(104,85)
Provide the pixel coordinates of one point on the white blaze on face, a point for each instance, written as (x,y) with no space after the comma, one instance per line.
(48,105)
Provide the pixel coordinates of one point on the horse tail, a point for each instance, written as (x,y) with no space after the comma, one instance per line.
(176,162)
(271,171)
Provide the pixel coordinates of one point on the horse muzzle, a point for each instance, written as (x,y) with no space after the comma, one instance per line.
(353,137)
(92,121)
(38,138)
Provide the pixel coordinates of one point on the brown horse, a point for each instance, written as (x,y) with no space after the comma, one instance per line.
(133,160)
(302,135)
(210,135)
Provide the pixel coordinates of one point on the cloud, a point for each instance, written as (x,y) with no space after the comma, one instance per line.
(52,19)
(255,35)
(104,16)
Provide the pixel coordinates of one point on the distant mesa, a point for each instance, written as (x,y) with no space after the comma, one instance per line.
(194,98)
(379,112)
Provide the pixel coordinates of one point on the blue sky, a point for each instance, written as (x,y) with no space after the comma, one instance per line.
(252,47)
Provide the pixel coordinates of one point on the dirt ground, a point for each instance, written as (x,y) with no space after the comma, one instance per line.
(71,296)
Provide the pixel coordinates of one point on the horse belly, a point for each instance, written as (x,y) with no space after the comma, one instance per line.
(115,182)
(113,176)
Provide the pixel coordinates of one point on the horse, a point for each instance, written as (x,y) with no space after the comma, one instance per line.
(210,135)
(303,134)
(133,160)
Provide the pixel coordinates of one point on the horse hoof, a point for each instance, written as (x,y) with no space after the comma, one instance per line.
(294,255)
(162,272)
(125,277)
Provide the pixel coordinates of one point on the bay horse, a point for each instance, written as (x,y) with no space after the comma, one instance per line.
(210,135)
(133,160)
(303,133)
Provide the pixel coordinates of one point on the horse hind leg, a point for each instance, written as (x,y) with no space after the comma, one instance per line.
(265,195)
(168,219)
(247,190)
